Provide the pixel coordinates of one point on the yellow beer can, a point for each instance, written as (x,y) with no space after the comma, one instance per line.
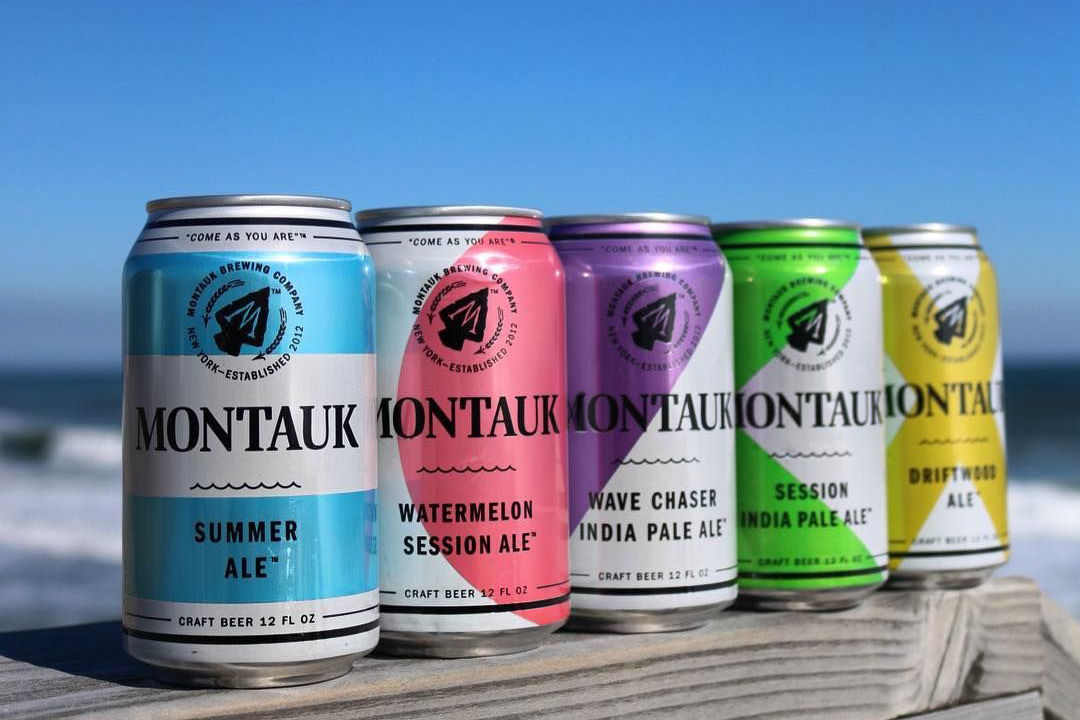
(944,405)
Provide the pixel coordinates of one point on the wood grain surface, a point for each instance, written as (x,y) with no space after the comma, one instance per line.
(1061,684)
(900,653)
(1013,707)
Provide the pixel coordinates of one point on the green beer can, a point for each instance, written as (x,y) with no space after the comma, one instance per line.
(809,414)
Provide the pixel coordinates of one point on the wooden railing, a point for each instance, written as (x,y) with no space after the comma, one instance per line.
(998,651)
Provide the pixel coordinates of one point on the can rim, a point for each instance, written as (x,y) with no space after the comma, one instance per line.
(202,201)
(930,227)
(635,217)
(408,211)
(816,223)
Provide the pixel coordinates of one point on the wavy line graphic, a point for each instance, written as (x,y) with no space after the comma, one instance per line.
(452,469)
(245,486)
(844,453)
(657,461)
(953,441)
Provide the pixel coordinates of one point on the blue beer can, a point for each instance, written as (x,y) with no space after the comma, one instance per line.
(250,555)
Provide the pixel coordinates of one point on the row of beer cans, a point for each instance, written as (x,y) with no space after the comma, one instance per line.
(450,430)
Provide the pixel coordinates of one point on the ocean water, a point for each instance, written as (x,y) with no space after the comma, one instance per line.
(60,491)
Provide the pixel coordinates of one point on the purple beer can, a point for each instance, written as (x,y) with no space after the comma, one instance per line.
(651,421)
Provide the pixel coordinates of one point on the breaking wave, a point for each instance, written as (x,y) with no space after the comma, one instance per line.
(73,449)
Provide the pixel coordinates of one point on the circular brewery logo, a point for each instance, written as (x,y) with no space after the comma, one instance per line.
(654,320)
(808,324)
(949,319)
(466,318)
(245,319)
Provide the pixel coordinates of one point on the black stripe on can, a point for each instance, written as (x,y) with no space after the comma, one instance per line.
(471,609)
(351,612)
(432,227)
(876,248)
(252,639)
(336,237)
(948,553)
(655,591)
(788,246)
(555,236)
(811,575)
(302,222)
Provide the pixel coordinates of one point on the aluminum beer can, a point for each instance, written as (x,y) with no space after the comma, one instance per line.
(249,447)
(810,414)
(944,406)
(651,421)
(471,429)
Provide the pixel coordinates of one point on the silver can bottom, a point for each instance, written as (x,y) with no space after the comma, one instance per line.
(463,644)
(643,621)
(805,599)
(939,579)
(251,675)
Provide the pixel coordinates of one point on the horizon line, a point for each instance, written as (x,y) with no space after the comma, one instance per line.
(97,367)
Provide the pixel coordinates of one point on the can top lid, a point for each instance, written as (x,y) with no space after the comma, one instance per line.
(638,217)
(932,227)
(200,201)
(811,231)
(391,213)
(815,223)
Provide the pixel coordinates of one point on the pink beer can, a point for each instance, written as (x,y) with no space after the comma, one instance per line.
(471,416)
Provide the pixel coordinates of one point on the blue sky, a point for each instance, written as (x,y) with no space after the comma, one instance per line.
(880,112)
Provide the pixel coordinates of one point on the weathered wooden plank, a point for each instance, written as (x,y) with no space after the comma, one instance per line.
(1013,707)
(898,654)
(1061,685)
